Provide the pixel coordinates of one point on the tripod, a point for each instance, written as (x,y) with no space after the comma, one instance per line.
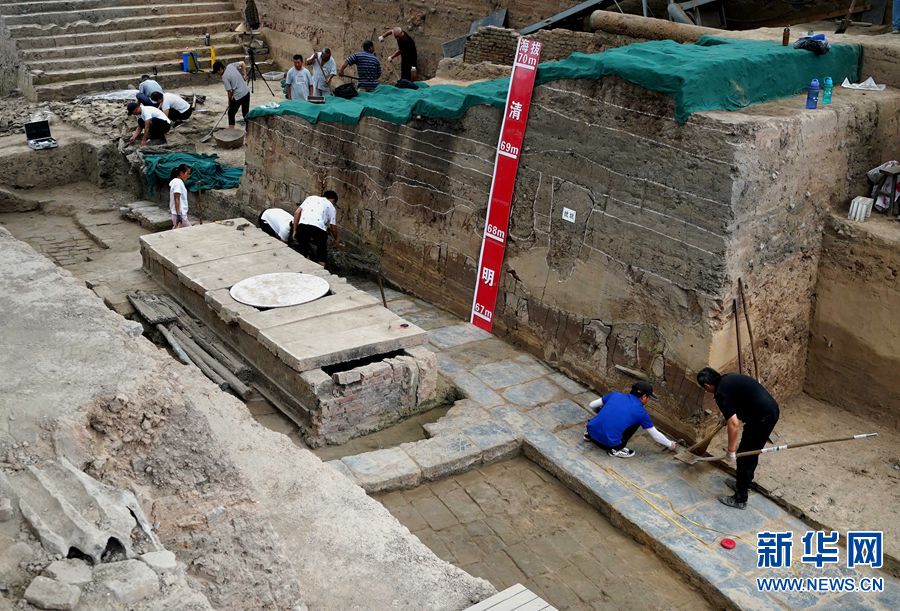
(254,68)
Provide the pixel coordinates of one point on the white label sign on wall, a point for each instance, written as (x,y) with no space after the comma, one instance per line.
(568,215)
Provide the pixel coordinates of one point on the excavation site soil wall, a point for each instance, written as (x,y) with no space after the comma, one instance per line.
(294,27)
(667,218)
(854,351)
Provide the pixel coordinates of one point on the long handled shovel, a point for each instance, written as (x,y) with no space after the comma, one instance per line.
(209,135)
(692,459)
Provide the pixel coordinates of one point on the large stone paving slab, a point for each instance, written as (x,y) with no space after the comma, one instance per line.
(347,325)
(212,275)
(207,242)
(339,337)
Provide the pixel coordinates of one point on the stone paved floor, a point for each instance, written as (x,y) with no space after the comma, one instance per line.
(82,230)
(652,497)
(512,522)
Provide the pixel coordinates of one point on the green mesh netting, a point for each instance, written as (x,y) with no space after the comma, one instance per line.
(206,172)
(712,74)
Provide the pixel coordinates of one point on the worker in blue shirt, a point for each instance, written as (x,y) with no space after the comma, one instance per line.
(618,417)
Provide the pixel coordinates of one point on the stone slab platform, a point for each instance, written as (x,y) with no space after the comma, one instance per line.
(346,325)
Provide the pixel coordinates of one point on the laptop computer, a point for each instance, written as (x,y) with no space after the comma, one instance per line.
(38,135)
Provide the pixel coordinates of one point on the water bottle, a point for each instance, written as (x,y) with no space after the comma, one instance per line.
(826,91)
(812,97)
(786,37)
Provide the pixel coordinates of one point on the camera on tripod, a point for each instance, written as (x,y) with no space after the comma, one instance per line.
(253,45)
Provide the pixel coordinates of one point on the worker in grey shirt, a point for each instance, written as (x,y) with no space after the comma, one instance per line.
(147,87)
(235,82)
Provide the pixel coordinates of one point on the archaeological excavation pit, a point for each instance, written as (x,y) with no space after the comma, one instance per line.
(342,365)
(426,463)
(512,522)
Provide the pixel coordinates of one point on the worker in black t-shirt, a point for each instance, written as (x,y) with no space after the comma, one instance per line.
(741,399)
(406,51)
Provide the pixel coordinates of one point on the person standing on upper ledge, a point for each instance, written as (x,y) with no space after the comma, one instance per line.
(323,70)
(618,418)
(368,68)
(298,82)
(741,399)
(406,51)
(235,83)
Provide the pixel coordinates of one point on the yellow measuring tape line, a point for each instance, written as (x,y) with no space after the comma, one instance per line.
(641,492)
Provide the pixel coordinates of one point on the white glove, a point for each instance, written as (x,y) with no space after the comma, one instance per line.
(730,458)
(381,39)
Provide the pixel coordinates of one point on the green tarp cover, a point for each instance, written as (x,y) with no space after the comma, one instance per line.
(206,172)
(712,74)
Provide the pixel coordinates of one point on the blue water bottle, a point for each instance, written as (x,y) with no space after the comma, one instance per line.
(812,97)
(826,91)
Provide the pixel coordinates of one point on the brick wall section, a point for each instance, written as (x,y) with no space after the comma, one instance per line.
(370,397)
(498,45)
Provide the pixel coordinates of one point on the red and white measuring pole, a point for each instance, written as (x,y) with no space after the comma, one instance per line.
(506,164)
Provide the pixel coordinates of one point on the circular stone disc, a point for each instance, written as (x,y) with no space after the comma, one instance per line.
(279,290)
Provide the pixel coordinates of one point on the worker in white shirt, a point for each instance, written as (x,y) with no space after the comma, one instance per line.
(312,221)
(151,121)
(277,223)
(323,69)
(173,106)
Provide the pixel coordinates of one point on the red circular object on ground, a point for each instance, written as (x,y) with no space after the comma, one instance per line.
(728,543)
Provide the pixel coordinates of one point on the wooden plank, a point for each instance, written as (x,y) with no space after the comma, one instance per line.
(487,603)
(806,17)
(513,598)
(241,389)
(516,602)
(152,308)
(538,604)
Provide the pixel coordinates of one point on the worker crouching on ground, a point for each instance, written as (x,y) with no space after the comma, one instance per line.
(618,417)
(175,107)
(178,196)
(277,223)
(235,81)
(151,120)
(741,399)
(312,221)
(146,88)
(368,68)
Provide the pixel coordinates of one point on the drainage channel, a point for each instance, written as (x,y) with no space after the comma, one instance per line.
(512,522)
